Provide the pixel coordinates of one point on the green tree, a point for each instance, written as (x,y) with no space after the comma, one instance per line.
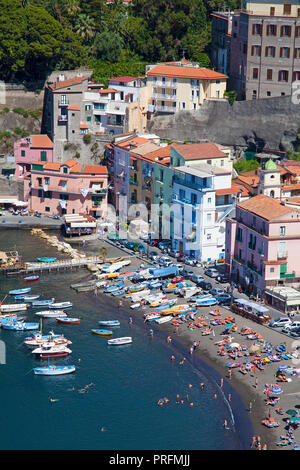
(85,27)
(108,46)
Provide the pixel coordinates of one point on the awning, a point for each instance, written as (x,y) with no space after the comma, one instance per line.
(96,187)
(83,224)
(253,305)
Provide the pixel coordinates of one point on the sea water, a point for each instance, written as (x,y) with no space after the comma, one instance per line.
(127,381)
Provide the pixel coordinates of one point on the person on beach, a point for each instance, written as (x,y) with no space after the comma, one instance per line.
(229,397)
(225,424)
(191,349)
(182,361)
(190,385)
(221,383)
(120,304)
(202,386)
(172,358)
(250,407)
(256,382)
(169,339)
(150,332)
(215,396)
(130,320)
(229,374)
(177,398)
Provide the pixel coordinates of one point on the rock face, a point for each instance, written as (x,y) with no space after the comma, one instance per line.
(266,123)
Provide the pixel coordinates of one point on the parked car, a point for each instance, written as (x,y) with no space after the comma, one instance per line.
(224,299)
(173,253)
(129,245)
(154,256)
(180,268)
(190,261)
(154,242)
(280,321)
(187,273)
(206,286)
(181,258)
(177,279)
(211,272)
(139,247)
(216,291)
(296,332)
(222,278)
(165,261)
(291,326)
(197,278)
(164,244)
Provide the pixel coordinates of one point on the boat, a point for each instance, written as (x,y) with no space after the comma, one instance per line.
(42,303)
(164,319)
(10,317)
(138,296)
(113,287)
(206,302)
(19,326)
(54,370)
(116,293)
(101,332)
(135,306)
(48,259)
(27,298)
(31,278)
(165,305)
(51,313)
(119,341)
(20,291)
(109,323)
(13,308)
(151,316)
(57,305)
(51,350)
(38,339)
(68,321)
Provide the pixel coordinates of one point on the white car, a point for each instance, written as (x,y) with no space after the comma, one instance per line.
(165,261)
(281,321)
(291,326)
(211,272)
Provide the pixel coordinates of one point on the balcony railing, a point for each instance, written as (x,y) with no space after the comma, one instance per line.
(239,260)
(254,268)
(164,96)
(286,275)
(165,109)
(166,84)
(63,103)
(282,256)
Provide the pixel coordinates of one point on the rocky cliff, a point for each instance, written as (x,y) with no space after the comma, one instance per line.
(266,123)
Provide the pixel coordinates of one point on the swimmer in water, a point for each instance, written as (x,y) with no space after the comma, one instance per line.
(53,399)
(225,424)
(102,429)
(190,385)
(172,358)
(191,404)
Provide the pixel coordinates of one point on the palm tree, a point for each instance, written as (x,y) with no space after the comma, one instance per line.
(73,8)
(85,27)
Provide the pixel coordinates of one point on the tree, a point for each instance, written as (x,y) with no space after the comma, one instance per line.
(108,46)
(85,27)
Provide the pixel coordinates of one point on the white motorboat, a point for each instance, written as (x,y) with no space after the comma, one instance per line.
(54,370)
(57,305)
(120,341)
(51,350)
(13,308)
(39,340)
(51,313)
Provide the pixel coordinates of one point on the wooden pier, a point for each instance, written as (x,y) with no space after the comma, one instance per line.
(62,265)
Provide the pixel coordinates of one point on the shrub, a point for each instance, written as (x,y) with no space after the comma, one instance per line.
(21,111)
(87,139)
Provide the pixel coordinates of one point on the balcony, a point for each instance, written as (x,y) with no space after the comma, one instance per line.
(62,118)
(176,198)
(165,109)
(282,256)
(133,183)
(286,275)
(164,96)
(165,84)
(199,186)
(62,103)
(254,268)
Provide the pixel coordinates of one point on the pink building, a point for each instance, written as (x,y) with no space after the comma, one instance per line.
(262,244)
(31,149)
(67,188)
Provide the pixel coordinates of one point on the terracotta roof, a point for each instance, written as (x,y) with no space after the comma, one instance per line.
(292,169)
(185,72)
(126,78)
(199,151)
(41,141)
(70,163)
(52,166)
(132,143)
(67,83)
(241,189)
(76,168)
(95,169)
(74,108)
(84,126)
(290,187)
(293,200)
(161,153)
(225,191)
(251,181)
(107,90)
(265,207)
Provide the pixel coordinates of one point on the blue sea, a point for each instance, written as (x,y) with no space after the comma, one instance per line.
(127,381)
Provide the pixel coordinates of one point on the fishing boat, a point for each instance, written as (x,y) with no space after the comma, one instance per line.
(27,298)
(116,293)
(19,326)
(51,313)
(48,259)
(165,319)
(57,305)
(119,341)
(68,321)
(31,278)
(13,308)
(165,305)
(135,306)
(138,296)
(151,316)
(54,370)
(20,291)
(101,332)
(38,339)
(10,317)
(51,350)
(109,323)
(42,303)
(113,287)
(206,302)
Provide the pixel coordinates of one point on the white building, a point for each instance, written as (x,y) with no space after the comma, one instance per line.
(202,198)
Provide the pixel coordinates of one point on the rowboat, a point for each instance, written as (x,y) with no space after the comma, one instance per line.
(31,278)
(46,259)
(20,291)
(19,326)
(109,323)
(27,298)
(151,316)
(119,341)
(102,332)
(116,293)
(51,313)
(114,287)
(164,319)
(42,303)
(54,370)
(135,306)
(13,308)
(68,321)
(206,302)
(10,317)
(51,350)
(61,305)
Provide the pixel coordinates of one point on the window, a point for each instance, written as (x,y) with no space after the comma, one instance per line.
(285,52)
(282,231)
(40,193)
(208,162)
(23,153)
(269,74)
(194,198)
(192,83)
(209,236)
(64,184)
(287,8)
(88,107)
(64,197)
(256,51)
(271,30)
(271,270)
(208,217)
(43,156)
(183,105)
(222,162)
(286,31)
(283,76)
(298,12)
(47,180)
(47,209)
(99,106)
(297,31)
(256,29)
(272,11)
(65,170)
(48,194)
(88,118)
(255,73)
(270,51)
(297,53)
(268,93)
(296,76)
(209,200)
(245,48)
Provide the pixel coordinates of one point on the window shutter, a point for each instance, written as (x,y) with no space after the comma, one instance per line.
(268,30)
(252,50)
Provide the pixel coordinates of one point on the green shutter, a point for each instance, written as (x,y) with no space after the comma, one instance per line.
(43,156)
(283,268)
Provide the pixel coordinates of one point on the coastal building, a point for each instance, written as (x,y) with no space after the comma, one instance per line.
(182,86)
(206,152)
(30,149)
(221,26)
(261,244)
(265,49)
(67,188)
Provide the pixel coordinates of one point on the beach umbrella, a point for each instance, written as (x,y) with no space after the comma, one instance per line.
(234,345)
(254,348)
(294,419)
(276,390)
(292,412)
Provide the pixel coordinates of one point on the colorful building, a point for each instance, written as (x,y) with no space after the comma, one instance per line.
(67,188)
(31,149)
